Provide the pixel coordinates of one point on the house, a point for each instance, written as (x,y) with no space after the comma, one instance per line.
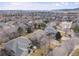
(18,47)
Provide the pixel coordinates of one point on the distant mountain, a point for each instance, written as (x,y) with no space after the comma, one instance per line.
(70,9)
(75,9)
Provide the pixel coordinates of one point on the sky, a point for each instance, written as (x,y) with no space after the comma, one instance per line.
(37,5)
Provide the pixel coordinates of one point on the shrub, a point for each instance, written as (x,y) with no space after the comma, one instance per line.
(29,30)
(76,28)
(20,30)
(42,26)
(58,36)
(46,21)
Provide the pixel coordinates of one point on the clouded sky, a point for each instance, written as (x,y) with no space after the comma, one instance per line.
(37,5)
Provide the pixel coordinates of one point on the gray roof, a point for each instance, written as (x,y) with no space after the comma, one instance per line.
(18,45)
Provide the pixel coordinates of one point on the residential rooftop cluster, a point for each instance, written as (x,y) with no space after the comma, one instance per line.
(39,33)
